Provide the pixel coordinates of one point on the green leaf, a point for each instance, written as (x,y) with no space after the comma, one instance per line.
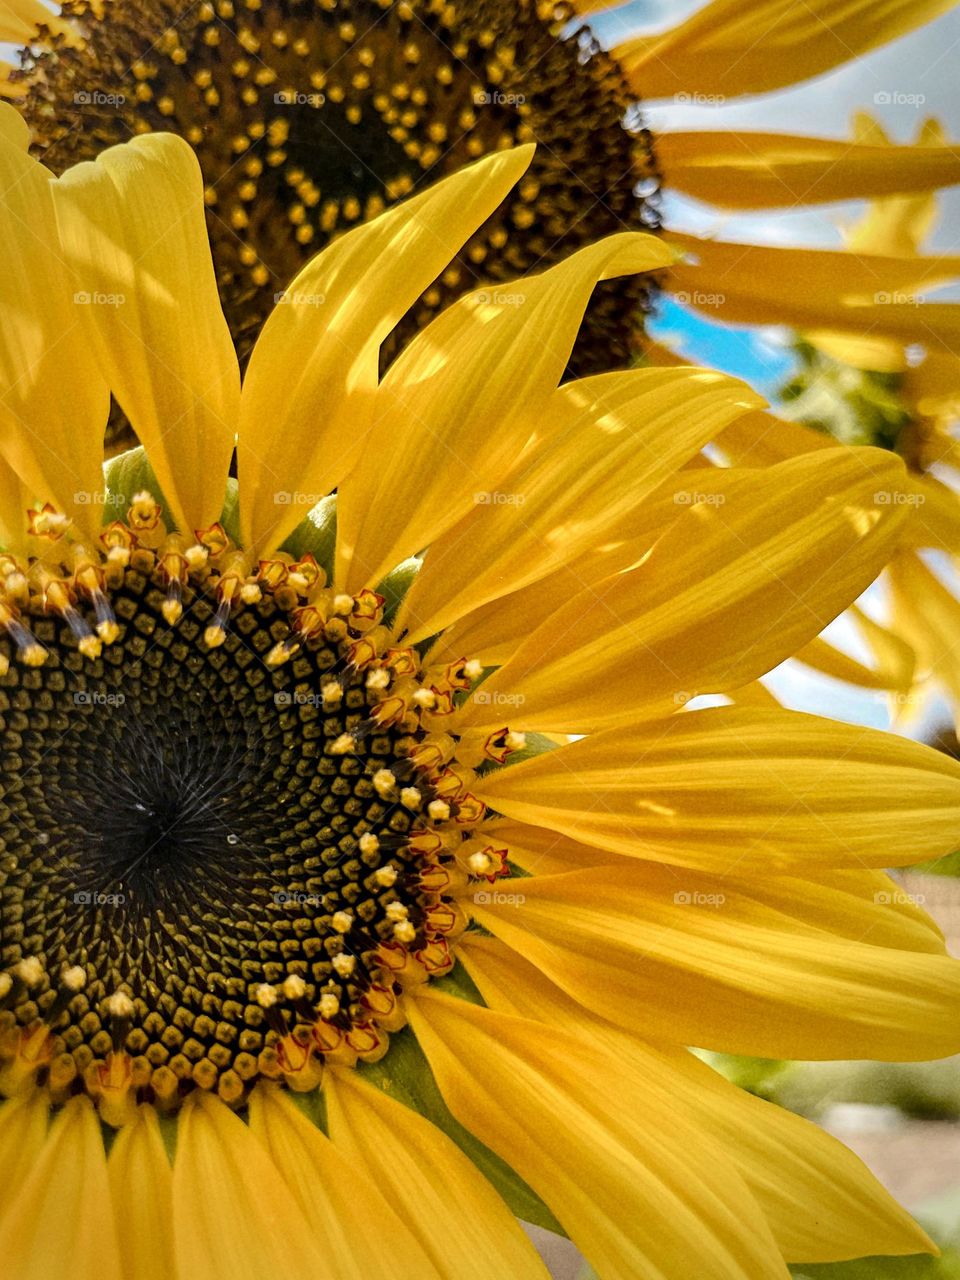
(405,1075)
(316,535)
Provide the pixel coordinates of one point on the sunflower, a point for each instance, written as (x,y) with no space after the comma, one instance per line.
(308,118)
(311,116)
(900,396)
(324,947)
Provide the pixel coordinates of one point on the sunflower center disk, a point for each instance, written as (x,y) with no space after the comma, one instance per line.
(229,835)
(311,116)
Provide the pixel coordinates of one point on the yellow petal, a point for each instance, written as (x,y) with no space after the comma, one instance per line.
(53,399)
(813,288)
(770,170)
(462,1223)
(755,694)
(141,1183)
(458,407)
(593,6)
(729,592)
(933,386)
(780,968)
(897,224)
(613,440)
(633,1183)
(831,661)
(937,520)
(23,1130)
(821,1202)
(234,1216)
(760,439)
(894,657)
(736,788)
(14,503)
(726,48)
(355,1229)
(62,1211)
(134,222)
(927,614)
(309,393)
(496,630)
(20,21)
(863,351)
(541,851)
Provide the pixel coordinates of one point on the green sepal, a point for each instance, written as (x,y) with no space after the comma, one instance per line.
(854,406)
(919,1266)
(312,1104)
(168,1132)
(405,1075)
(316,535)
(396,585)
(126,474)
(230,515)
(948,865)
(459,983)
(755,1075)
(129,473)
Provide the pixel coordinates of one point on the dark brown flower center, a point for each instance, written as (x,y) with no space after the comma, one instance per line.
(311,116)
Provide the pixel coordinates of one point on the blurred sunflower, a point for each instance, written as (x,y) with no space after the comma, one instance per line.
(319,955)
(903,396)
(309,117)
